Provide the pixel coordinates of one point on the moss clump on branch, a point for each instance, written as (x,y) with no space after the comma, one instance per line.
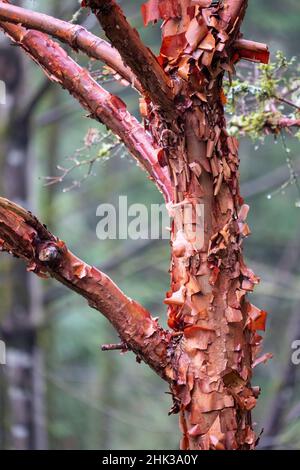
(262,96)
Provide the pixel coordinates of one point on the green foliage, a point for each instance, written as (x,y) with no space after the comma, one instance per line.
(251,124)
(260,96)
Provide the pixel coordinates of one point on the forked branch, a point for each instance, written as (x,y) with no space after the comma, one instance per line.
(134,53)
(22,235)
(75,36)
(101,105)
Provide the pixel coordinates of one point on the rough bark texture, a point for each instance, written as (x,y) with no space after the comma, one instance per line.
(74,35)
(102,106)
(212,365)
(208,359)
(139,57)
(24,236)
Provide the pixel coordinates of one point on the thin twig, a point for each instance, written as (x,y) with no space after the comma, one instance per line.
(286,101)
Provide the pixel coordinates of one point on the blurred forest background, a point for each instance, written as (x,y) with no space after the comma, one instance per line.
(58,390)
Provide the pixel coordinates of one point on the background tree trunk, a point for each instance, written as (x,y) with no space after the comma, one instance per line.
(25,370)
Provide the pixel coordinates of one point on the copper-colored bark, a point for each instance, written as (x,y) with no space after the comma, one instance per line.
(79,38)
(232,14)
(211,368)
(210,356)
(75,36)
(102,106)
(24,236)
(251,50)
(134,53)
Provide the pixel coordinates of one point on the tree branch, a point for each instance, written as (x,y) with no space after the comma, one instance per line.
(251,50)
(22,235)
(287,122)
(74,35)
(134,53)
(273,124)
(102,106)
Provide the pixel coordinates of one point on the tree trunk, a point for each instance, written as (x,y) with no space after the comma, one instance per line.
(24,370)
(209,355)
(211,367)
(207,308)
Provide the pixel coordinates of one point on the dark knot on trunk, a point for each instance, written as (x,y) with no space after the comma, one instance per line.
(49,253)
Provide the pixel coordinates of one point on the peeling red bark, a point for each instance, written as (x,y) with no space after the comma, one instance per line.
(137,56)
(251,50)
(232,14)
(75,36)
(211,368)
(209,357)
(22,235)
(102,106)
